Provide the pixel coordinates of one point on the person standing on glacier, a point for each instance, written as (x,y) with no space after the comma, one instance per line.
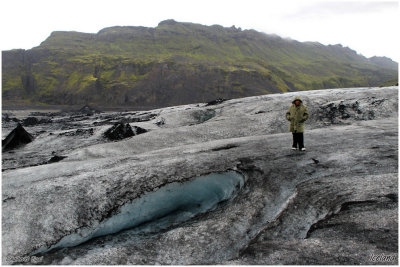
(297,115)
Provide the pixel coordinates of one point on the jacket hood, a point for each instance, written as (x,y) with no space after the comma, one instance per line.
(297,98)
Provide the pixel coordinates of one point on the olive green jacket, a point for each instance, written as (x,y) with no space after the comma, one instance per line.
(297,116)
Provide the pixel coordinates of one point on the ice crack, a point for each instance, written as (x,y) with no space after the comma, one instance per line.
(171,204)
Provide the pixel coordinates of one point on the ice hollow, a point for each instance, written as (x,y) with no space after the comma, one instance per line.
(169,205)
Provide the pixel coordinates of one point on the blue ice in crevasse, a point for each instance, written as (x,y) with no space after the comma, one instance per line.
(171,204)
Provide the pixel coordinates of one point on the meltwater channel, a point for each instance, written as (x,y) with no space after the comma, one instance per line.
(171,204)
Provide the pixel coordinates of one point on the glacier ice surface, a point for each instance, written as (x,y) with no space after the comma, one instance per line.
(171,204)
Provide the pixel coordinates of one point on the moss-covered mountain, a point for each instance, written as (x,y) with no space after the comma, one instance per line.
(177,63)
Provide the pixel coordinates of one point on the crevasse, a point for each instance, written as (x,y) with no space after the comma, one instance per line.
(172,204)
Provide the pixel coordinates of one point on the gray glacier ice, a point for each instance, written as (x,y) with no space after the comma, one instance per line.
(171,204)
(336,203)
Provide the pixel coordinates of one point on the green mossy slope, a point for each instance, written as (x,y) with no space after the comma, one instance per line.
(177,63)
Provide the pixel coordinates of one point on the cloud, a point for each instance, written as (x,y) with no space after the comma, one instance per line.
(367,26)
(329,9)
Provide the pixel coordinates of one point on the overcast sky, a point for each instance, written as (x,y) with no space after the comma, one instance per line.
(369,27)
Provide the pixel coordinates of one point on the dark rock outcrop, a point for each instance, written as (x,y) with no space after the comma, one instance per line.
(121,130)
(138,130)
(31,121)
(216,102)
(56,158)
(19,136)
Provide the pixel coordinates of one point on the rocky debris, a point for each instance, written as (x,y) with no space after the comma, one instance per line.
(160,122)
(138,130)
(119,131)
(40,114)
(89,131)
(31,121)
(203,115)
(186,117)
(216,101)
(70,124)
(88,110)
(56,158)
(228,146)
(123,130)
(103,122)
(124,118)
(5,117)
(19,136)
(336,112)
(315,160)
(81,132)
(45,120)
(145,117)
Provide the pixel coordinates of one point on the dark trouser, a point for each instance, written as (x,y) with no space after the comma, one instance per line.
(298,138)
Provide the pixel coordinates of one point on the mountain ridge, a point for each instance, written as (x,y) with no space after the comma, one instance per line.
(179,63)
